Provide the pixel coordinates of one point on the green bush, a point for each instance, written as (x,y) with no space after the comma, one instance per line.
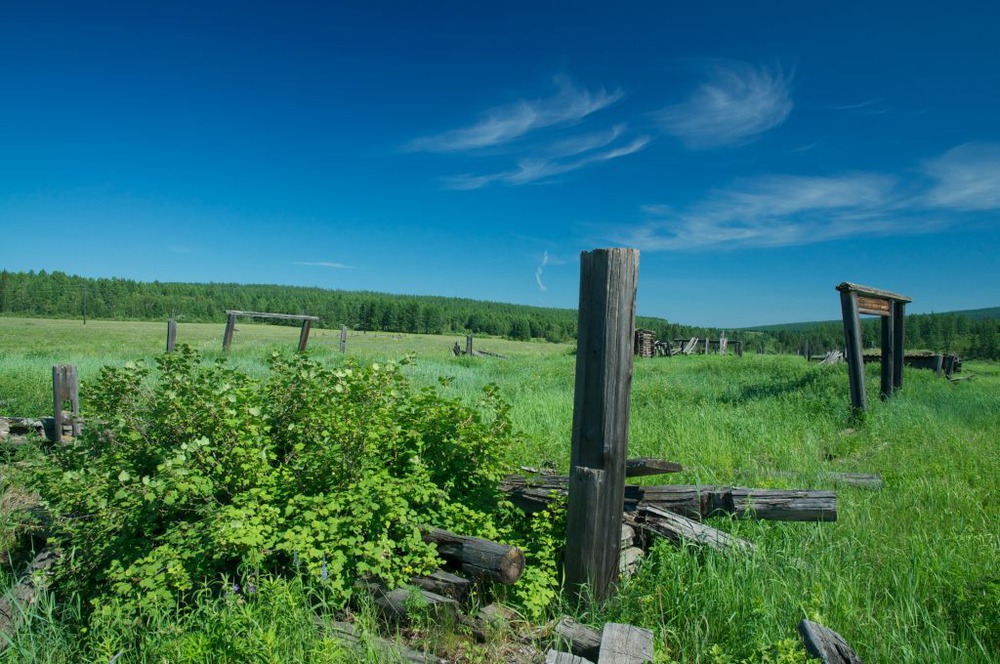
(197,472)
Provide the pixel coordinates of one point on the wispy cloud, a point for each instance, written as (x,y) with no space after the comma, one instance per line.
(778,211)
(966,178)
(503,124)
(540,269)
(736,105)
(338,266)
(531,170)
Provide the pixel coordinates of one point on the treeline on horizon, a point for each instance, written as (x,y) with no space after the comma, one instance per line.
(58,295)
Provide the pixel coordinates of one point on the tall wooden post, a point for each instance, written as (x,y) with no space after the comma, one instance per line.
(854,357)
(898,334)
(888,354)
(65,387)
(227,338)
(343,338)
(304,334)
(468,345)
(171,335)
(606,327)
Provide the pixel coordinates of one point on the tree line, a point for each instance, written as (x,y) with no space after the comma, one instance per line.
(58,295)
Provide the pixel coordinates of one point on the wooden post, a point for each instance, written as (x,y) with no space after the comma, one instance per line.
(468,344)
(65,387)
(937,359)
(171,335)
(227,338)
(304,334)
(888,355)
(606,328)
(855,360)
(898,336)
(343,338)
(706,345)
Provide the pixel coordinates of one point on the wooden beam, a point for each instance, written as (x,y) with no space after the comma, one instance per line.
(227,338)
(868,291)
(304,334)
(678,529)
(899,338)
(171,335)
(855,360)
(888,354)
(644,466)
(265,314)
(343,338)
(605,333)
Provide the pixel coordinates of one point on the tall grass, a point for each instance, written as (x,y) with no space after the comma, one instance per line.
(907,574)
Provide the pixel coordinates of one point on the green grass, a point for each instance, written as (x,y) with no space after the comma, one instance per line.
(907,574)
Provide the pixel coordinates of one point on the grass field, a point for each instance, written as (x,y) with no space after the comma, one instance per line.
(910,573)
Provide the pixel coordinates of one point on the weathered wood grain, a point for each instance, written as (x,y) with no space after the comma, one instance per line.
(625,644)
(678,528)
(823,642)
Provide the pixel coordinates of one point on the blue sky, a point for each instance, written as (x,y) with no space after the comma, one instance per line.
(757,154)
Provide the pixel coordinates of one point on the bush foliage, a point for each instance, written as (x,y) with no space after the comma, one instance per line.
(196,472)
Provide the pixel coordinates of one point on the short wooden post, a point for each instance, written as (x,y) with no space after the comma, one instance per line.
(937,358)
(606,328)
(171,335)
(65,387)
(227,338)
(343,338)
(739,348)
(468,344)
(898,336)
(706,345)
(855,360)
(888,355)
(304,334)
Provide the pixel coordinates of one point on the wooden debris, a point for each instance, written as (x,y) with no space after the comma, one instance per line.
(649,466)
(581,640)
(477,556)
(556,657)
(678,529)
(826,644)
(347,633)
(14,604)
(785,504)
(398,603)
(625,644)
(629,559)
(444,583)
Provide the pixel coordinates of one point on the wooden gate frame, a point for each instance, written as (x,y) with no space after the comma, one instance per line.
(891,307)
(231,315)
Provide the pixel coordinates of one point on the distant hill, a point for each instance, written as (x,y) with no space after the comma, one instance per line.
(990,313)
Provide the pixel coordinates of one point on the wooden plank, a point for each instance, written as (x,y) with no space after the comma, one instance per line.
(649,466)
(602,396)
(873,306)
(827,645)
(265,314)
(625,644)
(678,529)
(581,640)
(557,657)
(868,291)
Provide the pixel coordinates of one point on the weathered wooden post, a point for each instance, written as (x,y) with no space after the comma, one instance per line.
(343,338)
(899,334)
(888,354)
(227,338)
(65,387)
(304,334)
(855,360)
(468,344)
(171,335)
(606,327)
(937,359)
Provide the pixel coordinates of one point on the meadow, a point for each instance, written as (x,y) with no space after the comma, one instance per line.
(908,573)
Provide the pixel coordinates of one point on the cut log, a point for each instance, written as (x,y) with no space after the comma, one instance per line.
(444,583)
(678,529)
(648,466)
(692,501)
(581,640)
(625,644)
(826,644)
(479,557)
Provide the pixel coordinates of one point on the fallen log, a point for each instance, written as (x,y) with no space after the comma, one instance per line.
(444,583)
(581,640)
(394,652)
(477,556)
(826,644)
(397,604)
(678,529)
